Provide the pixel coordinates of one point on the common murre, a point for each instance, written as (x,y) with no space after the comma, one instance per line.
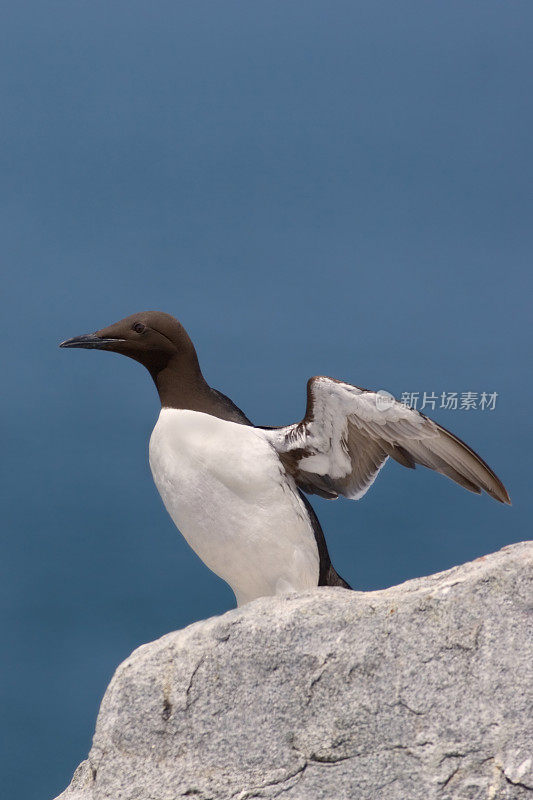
(235,490)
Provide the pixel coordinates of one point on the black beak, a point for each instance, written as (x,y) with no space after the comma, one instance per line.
(90,342)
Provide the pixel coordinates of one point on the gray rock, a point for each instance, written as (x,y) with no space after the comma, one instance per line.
(421,691)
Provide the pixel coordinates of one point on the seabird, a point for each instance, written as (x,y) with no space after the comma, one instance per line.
(236,490)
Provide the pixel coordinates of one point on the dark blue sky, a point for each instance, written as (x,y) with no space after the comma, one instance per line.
(340,188)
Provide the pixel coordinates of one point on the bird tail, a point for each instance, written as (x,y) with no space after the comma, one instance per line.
(332,578)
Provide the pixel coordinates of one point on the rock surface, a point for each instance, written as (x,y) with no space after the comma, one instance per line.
(422,691)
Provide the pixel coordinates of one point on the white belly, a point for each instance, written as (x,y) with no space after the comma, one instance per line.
(225,489)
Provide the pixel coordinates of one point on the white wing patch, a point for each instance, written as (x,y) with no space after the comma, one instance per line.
(348,433)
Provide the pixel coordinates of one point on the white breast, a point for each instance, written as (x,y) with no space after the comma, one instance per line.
(225,489)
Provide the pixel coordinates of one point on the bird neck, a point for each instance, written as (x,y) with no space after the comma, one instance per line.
(180,383)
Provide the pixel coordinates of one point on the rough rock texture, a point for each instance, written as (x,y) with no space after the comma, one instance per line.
(421,691)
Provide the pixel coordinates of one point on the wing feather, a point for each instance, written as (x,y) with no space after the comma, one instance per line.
(348,433)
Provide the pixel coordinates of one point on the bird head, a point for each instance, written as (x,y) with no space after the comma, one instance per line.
(151,337)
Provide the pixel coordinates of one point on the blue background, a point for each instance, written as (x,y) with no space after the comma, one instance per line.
(311,187)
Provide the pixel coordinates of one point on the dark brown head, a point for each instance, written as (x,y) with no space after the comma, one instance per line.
(156,340)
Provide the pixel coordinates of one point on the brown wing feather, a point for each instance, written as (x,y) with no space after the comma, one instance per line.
(346,437)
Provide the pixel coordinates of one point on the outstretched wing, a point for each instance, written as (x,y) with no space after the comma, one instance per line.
(348,433)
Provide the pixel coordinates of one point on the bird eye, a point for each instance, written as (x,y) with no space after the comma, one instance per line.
(138,327)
